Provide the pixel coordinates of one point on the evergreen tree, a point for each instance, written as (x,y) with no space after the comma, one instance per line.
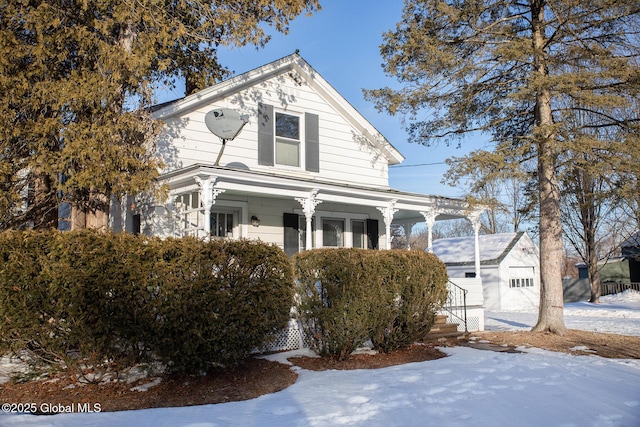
(517,71)
(77,78)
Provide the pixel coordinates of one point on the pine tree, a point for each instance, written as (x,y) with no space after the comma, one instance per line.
(77,78)
(517,71)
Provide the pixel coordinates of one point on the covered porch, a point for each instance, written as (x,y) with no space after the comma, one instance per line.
(223,202)
(298,213)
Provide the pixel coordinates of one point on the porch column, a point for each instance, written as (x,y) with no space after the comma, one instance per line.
(407,226)
(309,204)
(208,195)
(387,213)
(429,219)
(474,217)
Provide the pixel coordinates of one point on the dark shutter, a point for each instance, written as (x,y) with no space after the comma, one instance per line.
(312,142)
(136,224)
(372,234)
(291,239)
(265,135)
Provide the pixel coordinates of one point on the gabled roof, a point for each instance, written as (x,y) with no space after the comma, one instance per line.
(461,250)
(297,68)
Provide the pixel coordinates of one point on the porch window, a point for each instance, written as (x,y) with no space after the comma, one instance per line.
(222,224)
(333,232)
(192,214)
(358,230)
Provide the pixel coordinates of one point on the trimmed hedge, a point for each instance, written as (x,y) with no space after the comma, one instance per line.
(412,286)
(348,296)
(231,297)
(84,298)
(334,304)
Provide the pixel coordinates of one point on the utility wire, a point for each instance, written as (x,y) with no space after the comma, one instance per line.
(420,164)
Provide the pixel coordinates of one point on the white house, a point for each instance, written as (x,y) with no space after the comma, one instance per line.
(307,170)
(509,267)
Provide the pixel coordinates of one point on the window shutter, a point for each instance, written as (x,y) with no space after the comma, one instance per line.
(312,142)
(291,239)
(372,234)
(265,135)
(137,222)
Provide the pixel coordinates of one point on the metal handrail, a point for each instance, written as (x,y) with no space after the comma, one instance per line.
(457,294)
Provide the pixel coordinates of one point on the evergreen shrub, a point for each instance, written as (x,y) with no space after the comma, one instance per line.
(76,298)
(113,300)
(411,288)
(221,301)
(334,299)
(348,296)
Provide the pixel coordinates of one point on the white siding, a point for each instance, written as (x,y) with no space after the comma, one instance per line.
(495,277)
(346,156)
(523,255)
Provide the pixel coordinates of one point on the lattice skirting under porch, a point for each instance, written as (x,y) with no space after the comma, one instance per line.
(290,338)
(293,338)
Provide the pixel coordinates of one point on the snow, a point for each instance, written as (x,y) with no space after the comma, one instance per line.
(462,249)
(616,314)
(470,387)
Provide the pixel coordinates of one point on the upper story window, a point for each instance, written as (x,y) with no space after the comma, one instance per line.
(288,143)
(288,139)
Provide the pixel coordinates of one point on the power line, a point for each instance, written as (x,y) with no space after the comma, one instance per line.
(420,164)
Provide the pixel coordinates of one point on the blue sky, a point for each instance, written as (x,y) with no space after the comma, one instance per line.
(342,42)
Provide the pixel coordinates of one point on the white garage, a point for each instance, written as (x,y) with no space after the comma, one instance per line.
(509,268)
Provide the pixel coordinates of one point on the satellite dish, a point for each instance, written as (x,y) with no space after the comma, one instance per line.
(224,123)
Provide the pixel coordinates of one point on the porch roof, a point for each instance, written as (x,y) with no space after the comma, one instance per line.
(409,206)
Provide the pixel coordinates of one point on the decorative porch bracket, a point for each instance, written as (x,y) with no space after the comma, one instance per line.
(208,195)
(387,213)
(309,204)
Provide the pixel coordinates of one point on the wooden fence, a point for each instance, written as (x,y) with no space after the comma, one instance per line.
(610,288)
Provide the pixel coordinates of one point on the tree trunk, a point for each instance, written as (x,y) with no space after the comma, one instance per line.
(95,213)
(588,216)
(45,204)
(592,263)
(550,315)
(78,218)
(594,279)
(92,214)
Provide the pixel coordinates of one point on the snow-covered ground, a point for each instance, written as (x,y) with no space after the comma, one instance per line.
(469,388)
(617,314)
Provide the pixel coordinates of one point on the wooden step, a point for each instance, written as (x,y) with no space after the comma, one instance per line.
(443,329)
(446,328)
(441,319)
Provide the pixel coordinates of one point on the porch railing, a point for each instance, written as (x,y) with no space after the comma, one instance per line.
(456,305)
